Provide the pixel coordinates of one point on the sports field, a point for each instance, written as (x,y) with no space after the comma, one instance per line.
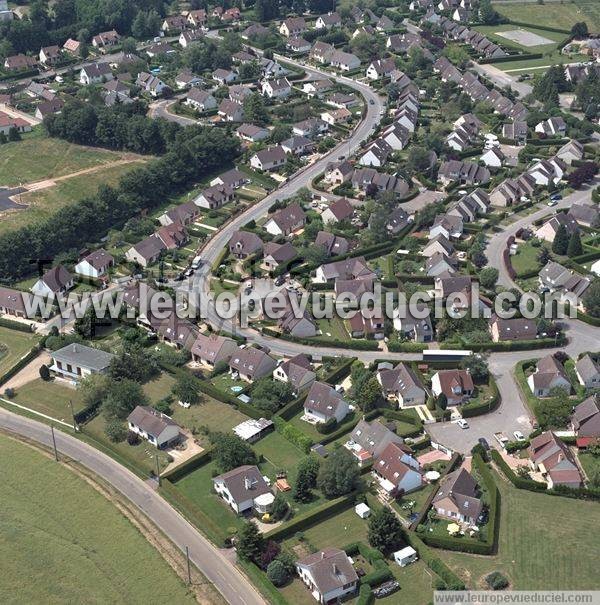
(553,14)
(63,542)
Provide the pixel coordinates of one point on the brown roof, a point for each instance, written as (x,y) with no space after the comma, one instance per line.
(209,347)
(450,379)
(13,300)
(56,278)
(341,209)
(461,488)
(330,568)
(389,464)
(323,398)
(518,328)
(100,258)
(290,216)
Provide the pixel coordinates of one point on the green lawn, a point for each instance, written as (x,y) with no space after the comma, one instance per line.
(50,398)
(590,464)
(534,527)
(160,387)
(39,157)
(142,455)
(526,259)
(553,14)
(333,329)
(13,345)
(44,202)
(311,429)
(416,584)
(63,542)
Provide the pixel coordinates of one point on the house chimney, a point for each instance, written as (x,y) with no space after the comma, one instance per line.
(322,555)
(336,570)
(247,483)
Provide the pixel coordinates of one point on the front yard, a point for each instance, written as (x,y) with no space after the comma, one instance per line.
(13,345)
(50,398)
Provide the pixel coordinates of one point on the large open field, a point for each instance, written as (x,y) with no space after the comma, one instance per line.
(552,14)
(38,157)
(546,542)
(44,202)
(50,398)
(13,345)
(63,542)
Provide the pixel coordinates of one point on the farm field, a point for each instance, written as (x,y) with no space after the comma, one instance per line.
(531,526)
(77,548)
(551,14)
(13,345)
(46,201)
(591,11)
(38,157)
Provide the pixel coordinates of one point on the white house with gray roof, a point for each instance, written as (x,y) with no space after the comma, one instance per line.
(158,429)
(244,489)
(76,361)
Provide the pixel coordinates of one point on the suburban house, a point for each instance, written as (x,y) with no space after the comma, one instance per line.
(297,372)
(418,329)
(146,252)
(185,214)
(277,254)
(19,62)
(369,439)
(49,55)
(201,100)
(150,424)
(252,133)
(95,73)
(493,158)
(323,403)
(336,116)
(554,126)
(244,489)
(551,457)
(377,153)
(515,132)
(338,210)
(382,68)
(570,152)
(233,178)
(105,40)
(328,574)
(396,471)
(151,84)
(76,361)
(189,37)
(95,264)
(403,384)
(557,278)
(186,79)
(251,364)
(55,281)
(279,88)
(458,498)
(230,111)
(316,88)
(328,21)
(362,326)
(286,220)
(588,372)
(517,328)
(224,76)
(271,158)
(337,173)
(297,145)
(173,236)
(332,244)
(294,26)
(456,385)
(448,225)
(549,171)
(439,263)
(549,374)
(585,215)
(215,197)
(465,173)
(244,243)
(297,44)
(211,349)
(439,243)
(585,420)
(177,332)
(355,268)
(300,325)
(344,61)
(550,228)
(197,17)
(12,302)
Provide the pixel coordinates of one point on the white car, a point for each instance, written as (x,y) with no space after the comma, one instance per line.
(519,436)
(462,423)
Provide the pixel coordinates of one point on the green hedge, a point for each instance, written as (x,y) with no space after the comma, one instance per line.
(508,345)
(293,434)
(522,57)
(402,417)
(518,482)
(471,410)
(15,325)
(548,28)
(33,353)
(450,579)
(264,585)
(588,319)
(190,465)
(359,345)
(340,373)
(312,517)
(406,347)
(288,411)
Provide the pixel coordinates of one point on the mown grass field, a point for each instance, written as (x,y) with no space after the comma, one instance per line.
(13,345)
(552,14)
(50,398)
(546,543)
(38,157)
(44,202)
(63,542)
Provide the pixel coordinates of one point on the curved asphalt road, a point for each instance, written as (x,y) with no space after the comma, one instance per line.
(234,587)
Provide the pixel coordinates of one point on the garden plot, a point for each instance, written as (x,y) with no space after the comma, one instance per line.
(525,37)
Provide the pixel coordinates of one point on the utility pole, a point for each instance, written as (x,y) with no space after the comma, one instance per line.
(157,469)
(73,415)
(189,570)
(54,443)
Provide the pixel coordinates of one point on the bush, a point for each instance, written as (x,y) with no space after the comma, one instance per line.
(44,373)
(133,438)
(496,581)
(327,427)
(116,431)
(9,393)
(277,573)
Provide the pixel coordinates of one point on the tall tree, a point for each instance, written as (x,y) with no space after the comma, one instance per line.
(339,474)
(385,531)
(574,248)
(561,241)
(249,542)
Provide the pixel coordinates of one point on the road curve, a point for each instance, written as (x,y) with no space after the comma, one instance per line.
(227,579)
